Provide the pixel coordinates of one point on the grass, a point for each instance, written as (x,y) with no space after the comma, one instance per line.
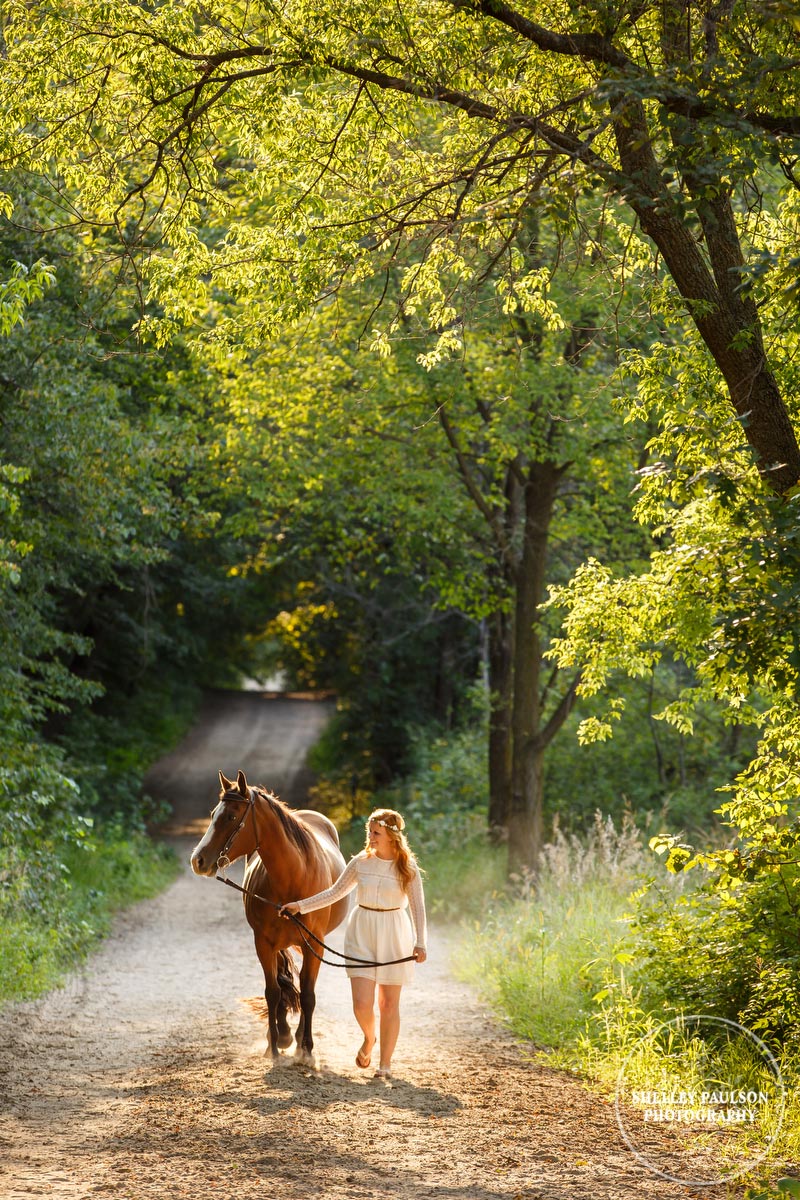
(540,957)
(38,947)
(459,887)
(692,1060)
(558,962)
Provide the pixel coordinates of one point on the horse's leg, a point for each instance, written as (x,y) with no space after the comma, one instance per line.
(285,1035)
(272,991)
(308,1000)
(284,1032)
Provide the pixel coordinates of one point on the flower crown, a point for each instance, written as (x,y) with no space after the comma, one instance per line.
(385,824)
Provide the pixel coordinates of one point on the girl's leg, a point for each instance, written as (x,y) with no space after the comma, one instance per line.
(389,1008)
(364,1010)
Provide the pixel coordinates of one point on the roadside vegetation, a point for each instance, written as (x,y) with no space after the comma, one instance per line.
(89,876)
(587,960)
(466,390)
(76,853)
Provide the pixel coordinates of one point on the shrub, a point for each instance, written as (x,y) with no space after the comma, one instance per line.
(38,822)
(733,952)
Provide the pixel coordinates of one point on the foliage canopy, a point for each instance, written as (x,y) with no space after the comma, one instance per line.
(266,152)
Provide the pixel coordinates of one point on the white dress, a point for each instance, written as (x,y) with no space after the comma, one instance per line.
(378,928)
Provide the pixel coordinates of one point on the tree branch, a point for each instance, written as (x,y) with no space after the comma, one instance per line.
(474,491)
(591,46)
(559,716)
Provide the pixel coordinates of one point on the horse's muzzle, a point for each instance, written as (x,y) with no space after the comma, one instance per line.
(203,864)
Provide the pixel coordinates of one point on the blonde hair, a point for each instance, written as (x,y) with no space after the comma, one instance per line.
(404,859)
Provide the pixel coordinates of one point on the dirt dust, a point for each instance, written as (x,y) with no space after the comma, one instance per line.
(145,1076)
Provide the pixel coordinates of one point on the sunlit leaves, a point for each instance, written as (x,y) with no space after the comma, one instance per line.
(20,289)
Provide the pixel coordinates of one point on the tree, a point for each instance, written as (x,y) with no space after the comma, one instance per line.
(456,476)
(110,584)
(719,596)
(525,437)
(267,155)
(271,151)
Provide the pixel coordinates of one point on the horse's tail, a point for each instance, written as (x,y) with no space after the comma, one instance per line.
(288,981)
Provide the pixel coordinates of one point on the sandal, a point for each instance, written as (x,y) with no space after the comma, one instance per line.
(383,1073)
(363,1058)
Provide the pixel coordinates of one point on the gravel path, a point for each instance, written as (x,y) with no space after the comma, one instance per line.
(145,1076)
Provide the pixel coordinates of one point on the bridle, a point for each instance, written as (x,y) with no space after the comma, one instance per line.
(249,801)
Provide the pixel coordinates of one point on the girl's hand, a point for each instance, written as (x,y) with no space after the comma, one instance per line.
(290,909)
(419,954)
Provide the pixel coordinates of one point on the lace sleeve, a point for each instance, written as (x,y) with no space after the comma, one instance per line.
(416,904)
(344,884)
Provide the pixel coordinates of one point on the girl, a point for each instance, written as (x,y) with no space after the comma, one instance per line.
(389,888)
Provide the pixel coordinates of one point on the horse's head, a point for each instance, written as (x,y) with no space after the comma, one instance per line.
(230,833)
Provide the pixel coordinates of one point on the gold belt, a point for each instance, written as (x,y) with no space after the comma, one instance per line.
(367,907)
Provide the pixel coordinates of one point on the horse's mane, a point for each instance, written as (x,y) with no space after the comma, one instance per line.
(293,826)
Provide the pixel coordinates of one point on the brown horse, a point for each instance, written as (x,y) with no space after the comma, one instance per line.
(290,854)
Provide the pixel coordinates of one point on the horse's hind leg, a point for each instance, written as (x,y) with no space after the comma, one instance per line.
(284,975)
(308,1000)
(285,1036)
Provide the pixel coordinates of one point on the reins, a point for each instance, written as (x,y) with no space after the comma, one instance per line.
(306,933)
(223,862)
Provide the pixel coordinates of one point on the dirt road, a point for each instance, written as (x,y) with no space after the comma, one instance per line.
(267,734)
(145,1076)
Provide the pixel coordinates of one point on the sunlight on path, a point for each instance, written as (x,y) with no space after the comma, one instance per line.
(145,1077)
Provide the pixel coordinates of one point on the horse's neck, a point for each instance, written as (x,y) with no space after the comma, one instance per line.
(278,854)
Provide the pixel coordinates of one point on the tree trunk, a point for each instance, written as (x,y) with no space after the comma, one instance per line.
(728,323)
(525,829)
(445,693)
(525,816)
(501,677)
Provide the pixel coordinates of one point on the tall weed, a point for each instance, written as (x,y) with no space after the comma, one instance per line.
(544,955)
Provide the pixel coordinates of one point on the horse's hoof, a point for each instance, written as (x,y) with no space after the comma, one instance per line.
(285,1040)
(303,1058)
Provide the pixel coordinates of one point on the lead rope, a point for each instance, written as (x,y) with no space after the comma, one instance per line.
(304,930)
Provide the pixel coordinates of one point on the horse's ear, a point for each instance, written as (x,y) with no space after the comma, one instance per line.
(225,784)
(241,783)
